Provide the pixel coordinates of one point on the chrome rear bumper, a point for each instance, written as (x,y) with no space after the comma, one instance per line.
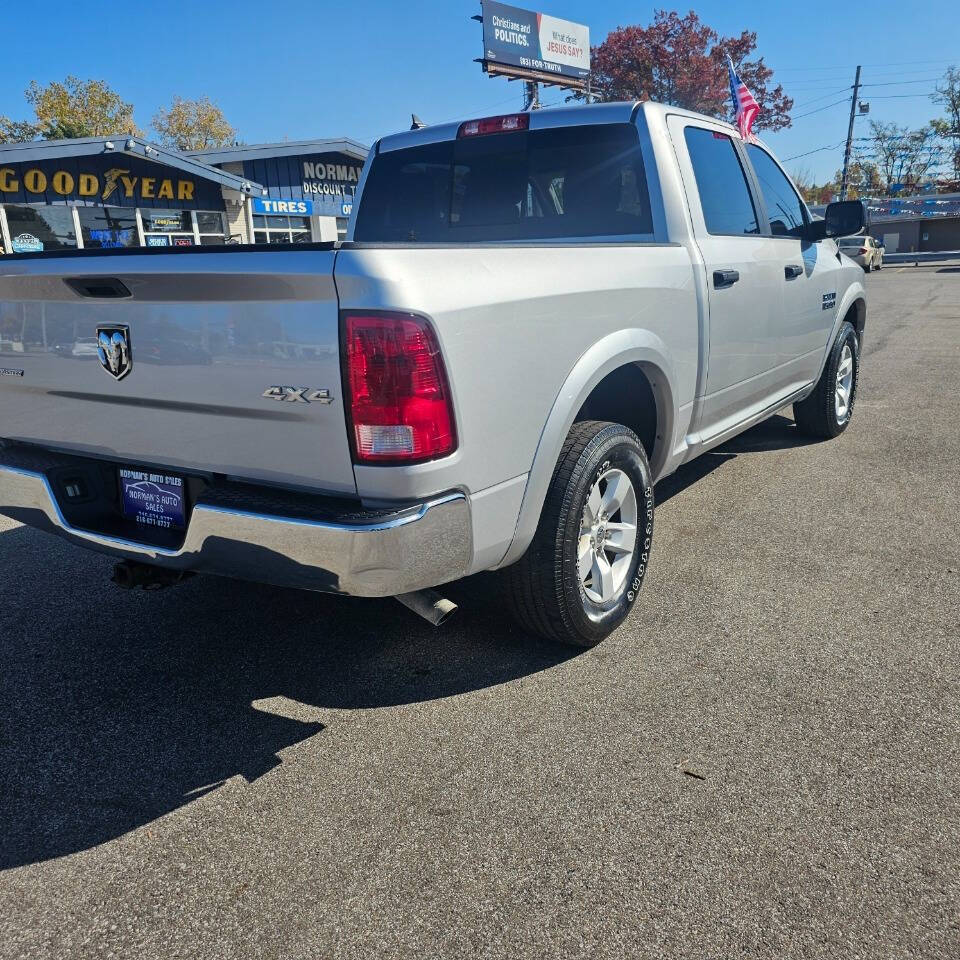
(425,545)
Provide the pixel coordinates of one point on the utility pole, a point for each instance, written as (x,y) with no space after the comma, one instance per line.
(846,153)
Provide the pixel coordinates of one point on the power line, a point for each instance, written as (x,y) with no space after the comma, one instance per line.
(900,96)
(897,83)
(831,146)
(836,103)
(887,63)
(832,93)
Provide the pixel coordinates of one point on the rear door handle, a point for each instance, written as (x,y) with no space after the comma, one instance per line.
(792,271)
(725,278)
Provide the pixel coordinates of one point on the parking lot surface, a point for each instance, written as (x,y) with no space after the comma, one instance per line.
(765,761)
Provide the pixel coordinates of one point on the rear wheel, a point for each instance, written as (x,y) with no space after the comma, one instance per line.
(828,410)
(579,578)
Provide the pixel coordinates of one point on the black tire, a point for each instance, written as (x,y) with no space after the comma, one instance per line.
(543,589)
(816,416)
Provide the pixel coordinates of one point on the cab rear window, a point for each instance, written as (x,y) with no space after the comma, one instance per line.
(572,182)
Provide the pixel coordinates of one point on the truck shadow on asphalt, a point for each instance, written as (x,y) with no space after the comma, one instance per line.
(776,433)
(119,707)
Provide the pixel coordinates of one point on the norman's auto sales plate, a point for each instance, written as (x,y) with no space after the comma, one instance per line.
(152,499)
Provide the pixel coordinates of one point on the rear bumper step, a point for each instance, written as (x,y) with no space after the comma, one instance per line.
(399,552)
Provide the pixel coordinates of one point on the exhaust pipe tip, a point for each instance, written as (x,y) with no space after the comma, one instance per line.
(430,605)
(123,576)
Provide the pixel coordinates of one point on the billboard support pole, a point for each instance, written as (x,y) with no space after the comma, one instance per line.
(531,95)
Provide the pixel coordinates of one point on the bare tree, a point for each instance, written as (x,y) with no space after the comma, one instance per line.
(903,157)
(948,94)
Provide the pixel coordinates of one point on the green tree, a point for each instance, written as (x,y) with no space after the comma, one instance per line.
(863,180)
(80,108)
(17,131)
(193,125)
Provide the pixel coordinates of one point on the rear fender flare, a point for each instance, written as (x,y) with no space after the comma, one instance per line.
(624,347)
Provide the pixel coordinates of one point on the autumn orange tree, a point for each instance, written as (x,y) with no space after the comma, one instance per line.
(681,61)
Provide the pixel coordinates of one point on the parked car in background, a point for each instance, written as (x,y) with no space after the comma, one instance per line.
(84,348)
(866,251)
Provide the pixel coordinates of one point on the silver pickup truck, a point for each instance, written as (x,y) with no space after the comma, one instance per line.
(533,319)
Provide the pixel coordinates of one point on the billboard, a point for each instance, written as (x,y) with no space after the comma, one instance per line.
(523,43)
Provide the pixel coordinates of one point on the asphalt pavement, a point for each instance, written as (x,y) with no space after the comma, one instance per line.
(763,762)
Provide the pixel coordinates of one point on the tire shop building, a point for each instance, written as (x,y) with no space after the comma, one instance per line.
(126,192)
(307,183)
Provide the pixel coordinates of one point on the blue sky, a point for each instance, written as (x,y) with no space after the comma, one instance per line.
(293,69)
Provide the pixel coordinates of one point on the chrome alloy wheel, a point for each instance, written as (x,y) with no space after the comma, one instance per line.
(608,536)
(844,384)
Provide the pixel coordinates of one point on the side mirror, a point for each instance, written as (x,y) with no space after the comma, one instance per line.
(845,218)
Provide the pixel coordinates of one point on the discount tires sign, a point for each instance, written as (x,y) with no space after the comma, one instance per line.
(534,42)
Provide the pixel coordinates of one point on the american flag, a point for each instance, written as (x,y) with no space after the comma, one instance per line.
(747,108)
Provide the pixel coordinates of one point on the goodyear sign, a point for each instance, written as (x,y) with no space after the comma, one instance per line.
(114,180)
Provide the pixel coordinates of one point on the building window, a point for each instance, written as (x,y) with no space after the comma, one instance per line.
(108,227)
(34,229)
(167,228)
(281,229)
(210,228)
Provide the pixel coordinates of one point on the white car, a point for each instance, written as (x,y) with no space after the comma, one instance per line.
(866,251)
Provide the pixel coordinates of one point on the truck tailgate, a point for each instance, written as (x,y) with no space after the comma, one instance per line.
(210,334)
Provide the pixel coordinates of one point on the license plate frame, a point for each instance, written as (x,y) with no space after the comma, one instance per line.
(153,498)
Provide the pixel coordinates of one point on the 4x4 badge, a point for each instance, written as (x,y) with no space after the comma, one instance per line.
(114,351)
(297,394)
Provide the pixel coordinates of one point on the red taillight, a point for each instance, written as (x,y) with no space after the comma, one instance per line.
(506,124)
(398,396)
(863,250)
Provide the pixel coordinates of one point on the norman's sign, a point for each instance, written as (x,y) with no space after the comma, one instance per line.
(330,179)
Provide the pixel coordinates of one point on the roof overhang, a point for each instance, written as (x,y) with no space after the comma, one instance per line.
(291,148)
(37,150)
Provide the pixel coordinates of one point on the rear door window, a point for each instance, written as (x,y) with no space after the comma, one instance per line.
(584,181)
(721,182)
